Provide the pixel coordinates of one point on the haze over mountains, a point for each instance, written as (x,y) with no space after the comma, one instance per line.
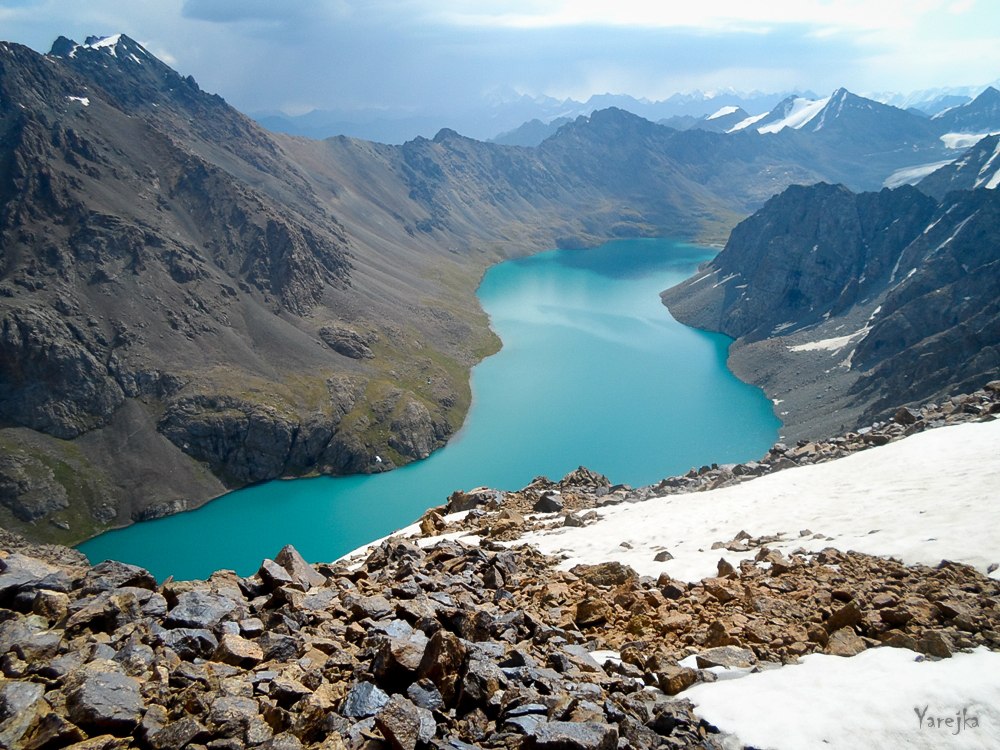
(190,303)
(518,119)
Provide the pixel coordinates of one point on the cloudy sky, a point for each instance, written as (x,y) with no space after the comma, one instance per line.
(295,55)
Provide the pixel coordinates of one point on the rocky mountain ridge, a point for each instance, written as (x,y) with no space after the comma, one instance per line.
(871,298)
(439,644)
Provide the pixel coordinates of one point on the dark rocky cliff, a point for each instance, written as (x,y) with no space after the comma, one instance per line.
(869,299)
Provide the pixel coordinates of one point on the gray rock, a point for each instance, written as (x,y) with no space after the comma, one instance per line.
(549,502)
(22,573)
(567,735)
(110,575)
(230,715)
(347,342)
(375,607)
(29,488)
(301,572)
(178,734)
(425,695)
(413,432)
(104,701)
(17,696)
(404,724)
(363,700)
(199,609)
(726,656)
(190,643)
(274,575)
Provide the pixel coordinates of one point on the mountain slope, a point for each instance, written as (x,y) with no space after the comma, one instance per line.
(843,305)
(979,167)
(980,115)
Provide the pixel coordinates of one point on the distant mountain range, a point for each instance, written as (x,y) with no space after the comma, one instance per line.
(509,118)
(190,303)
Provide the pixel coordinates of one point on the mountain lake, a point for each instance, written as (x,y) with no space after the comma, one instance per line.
(594,371)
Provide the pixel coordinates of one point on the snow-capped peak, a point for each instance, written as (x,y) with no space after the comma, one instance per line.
(795,112)
(110,43)
(723,112)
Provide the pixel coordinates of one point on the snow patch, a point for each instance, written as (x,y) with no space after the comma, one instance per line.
(744,124)
(834,344)
(110,43)
(883,697)
(928,497)
(799,115)
(726,280)
(722,112)
(913,175)
(84,100)
(964,140)
(984,178)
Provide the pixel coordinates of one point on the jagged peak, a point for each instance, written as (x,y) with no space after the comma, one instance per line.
(447,134)
(110,45)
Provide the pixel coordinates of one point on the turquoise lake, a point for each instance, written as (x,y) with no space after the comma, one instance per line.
(593,372)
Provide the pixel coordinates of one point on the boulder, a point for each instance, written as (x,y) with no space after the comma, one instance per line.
(364,699)
(567,735)
(675,679)
(301,572)
(726,656)
(847,616)
(549,502)
(605,574)
(844,642)
(404,724)
(238,651)
(110,575)
(199,609)
(104,699)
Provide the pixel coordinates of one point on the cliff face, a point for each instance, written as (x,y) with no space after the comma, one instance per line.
(885,296)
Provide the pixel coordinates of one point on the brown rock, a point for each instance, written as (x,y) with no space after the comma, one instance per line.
(605,574)
(723,590)
(935,643)
(844,642)
(405,724)
(238,651)
(726,656)
(847,616)
(674,679)
(441,663)
(676,620)
(301,572)
(592,611)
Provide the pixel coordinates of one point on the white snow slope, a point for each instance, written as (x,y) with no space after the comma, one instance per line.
(800,114)
(929,497)
(881,698)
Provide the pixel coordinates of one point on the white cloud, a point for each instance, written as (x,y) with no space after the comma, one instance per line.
(716,15)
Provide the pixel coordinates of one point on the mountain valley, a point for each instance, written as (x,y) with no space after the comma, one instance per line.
(191,303)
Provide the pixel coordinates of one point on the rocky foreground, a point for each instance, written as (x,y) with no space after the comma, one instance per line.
(434,642)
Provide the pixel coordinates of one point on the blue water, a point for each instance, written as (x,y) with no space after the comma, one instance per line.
(593,372)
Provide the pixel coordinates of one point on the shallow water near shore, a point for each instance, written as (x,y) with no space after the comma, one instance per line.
(593,372)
